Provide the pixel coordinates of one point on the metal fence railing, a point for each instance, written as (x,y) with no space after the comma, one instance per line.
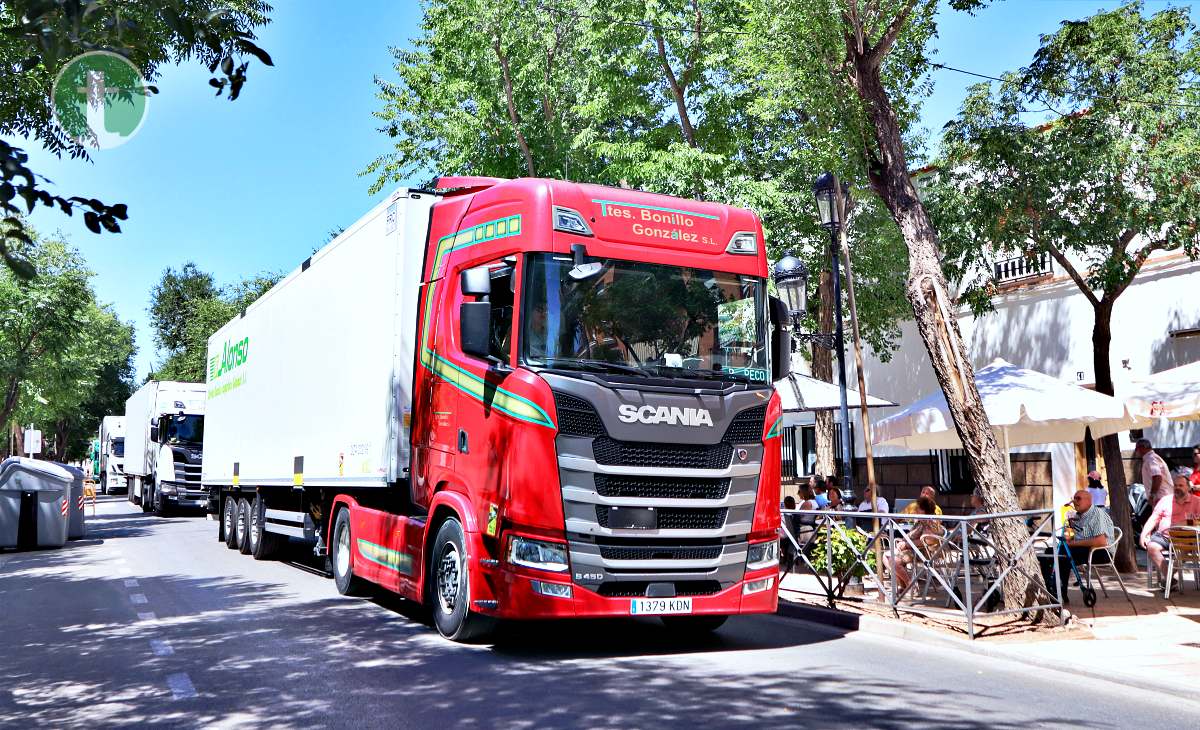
(926,564)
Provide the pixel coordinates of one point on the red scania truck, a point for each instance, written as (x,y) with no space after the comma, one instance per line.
(515,399)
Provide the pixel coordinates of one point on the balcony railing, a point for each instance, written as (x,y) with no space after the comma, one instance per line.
(1022,268)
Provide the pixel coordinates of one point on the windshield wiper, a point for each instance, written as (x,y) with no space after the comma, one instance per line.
(598,366)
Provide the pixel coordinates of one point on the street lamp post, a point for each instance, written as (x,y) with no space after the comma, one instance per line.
(791,279)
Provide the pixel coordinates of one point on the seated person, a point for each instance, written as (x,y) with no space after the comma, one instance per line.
(925,535)
(1092,528)
(864,504)
(1171,511)
(927,492)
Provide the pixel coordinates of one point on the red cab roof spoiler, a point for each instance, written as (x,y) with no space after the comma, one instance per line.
(466,184)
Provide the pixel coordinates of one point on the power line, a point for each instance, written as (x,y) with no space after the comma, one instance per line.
(1075,92)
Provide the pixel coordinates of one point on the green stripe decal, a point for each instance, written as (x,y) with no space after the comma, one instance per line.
(473,385)
(605,203)
(386,557)
(775,429)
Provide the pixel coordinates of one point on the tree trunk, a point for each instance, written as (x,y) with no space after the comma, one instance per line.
(822,369)
(1110,446)
(513,117)
(678,92)
(933,312)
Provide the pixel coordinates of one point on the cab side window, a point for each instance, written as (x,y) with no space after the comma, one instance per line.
(501,299)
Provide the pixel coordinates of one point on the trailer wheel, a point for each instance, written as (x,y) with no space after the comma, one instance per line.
(450,587)
(229,522)
(694,624)
(263,544)
(147,498)
(243,526)
(340,556)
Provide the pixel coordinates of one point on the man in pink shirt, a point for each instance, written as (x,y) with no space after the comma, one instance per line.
(1156,477)
(1172,510)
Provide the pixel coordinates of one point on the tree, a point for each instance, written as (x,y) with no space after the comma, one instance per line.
(39,37)
(861,68)
(39,317)
(1102,187)
(186,309)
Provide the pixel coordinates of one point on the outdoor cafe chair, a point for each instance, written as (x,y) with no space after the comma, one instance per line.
(1184,552)
(1110,551)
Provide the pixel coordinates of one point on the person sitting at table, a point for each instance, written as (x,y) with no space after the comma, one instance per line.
(927,492)
(818,486)
(1173,510)
(1092,528)
(864,504)
(924,535)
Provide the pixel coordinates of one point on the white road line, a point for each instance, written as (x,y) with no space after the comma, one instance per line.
(147,616)
(181,686)
(131,583)
(138,598)
(161,648)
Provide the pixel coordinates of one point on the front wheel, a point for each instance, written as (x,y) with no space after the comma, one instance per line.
(449,583)
(147,498)
(347,583)
(229,522)
(161,508)
(694,624)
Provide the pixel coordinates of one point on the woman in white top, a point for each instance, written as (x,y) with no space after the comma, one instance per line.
(1096,488)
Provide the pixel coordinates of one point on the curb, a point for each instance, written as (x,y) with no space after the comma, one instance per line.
(876,626)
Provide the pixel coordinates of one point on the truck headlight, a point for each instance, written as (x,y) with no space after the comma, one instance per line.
(758,586)
(537,554)
(762,555)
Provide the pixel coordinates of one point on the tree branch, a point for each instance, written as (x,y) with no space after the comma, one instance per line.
(880,50)
(1080,282)
(677,91)
(512,109)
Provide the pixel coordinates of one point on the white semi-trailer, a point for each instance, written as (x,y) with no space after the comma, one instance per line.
(112,454)
(164,425)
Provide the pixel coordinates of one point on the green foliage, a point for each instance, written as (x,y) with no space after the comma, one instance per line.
(39,37)
(696,98)
(186,309)
(846,544)
(65,360)
(1110,180)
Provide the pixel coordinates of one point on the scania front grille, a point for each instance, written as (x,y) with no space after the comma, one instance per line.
(637,588)
(678,518)
(747,426)
(577,417)
(611,452)
(660,487)
(660,552)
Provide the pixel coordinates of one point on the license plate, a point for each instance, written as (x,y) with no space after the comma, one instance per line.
(632,518)
(659,606)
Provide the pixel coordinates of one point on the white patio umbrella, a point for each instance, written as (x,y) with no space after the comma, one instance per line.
(1173,394)
(1023,406)
(801,393)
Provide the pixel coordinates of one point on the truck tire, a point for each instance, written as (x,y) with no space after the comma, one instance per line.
(263,544)
(229,522)
(160,506)
(450,587)
(340,554)
(694,624)
(147,498)
(243,526)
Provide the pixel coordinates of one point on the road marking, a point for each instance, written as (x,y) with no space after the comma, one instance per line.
(131,583)
(138,598)
(161,648)
(147,616)
(181,686)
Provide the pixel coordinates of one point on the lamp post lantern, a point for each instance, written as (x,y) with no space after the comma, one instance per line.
(833,201)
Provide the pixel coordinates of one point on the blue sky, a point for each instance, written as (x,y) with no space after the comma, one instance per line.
(254,185)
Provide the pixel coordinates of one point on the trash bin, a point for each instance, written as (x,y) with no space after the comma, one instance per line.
(33,503)
(75,526)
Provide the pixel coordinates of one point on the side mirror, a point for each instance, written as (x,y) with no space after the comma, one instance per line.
(154,430)
(781,341)
(477,282)
(475,325)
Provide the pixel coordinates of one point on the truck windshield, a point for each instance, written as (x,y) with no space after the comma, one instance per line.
(118,446)
(644,319)
(185,429)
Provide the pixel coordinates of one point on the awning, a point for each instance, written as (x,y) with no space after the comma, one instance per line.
(801,393)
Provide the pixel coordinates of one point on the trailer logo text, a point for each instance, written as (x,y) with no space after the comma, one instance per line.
(232,355)
(664,414)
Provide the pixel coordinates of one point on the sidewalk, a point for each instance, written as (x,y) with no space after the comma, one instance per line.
(1144,642)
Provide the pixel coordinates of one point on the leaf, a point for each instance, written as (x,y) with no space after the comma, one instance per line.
(7,192)
(92,221)
(110,224)
(19,265)
(227,65)
(257,52)
(120,210)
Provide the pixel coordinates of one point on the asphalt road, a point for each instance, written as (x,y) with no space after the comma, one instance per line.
(152,621)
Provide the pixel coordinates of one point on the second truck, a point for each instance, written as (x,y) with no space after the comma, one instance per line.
(164,446)
(515,399)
